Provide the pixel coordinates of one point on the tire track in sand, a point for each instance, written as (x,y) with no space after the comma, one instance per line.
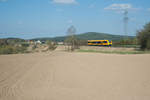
(8,87)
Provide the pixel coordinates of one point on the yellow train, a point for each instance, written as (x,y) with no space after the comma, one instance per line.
(99,43)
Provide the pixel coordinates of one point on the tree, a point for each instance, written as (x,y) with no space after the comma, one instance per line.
(143,37)
(71,41)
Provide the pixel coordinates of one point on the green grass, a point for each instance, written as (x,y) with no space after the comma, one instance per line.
(115,52)
(127,46)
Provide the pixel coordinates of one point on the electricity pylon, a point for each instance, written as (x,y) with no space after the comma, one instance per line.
(125,20)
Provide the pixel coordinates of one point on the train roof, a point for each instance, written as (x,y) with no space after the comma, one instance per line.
(98,40)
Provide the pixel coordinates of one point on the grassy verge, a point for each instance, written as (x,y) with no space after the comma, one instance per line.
(116,52)
(127,46)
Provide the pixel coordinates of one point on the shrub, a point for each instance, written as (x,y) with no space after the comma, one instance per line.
(83,42)
(144,37)
(34,46)
(6,50)
(51,45)
(9,49)
(25,44)
(126,42)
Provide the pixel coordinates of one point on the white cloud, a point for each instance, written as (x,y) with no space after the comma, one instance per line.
(3,0)
(120,7)
(65,1)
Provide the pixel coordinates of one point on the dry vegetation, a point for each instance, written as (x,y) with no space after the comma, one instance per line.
(112,50)
(15,46)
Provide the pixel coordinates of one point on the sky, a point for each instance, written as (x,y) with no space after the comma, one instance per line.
(49,18)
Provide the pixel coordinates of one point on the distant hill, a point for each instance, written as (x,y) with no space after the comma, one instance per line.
(12,39)
(88,36)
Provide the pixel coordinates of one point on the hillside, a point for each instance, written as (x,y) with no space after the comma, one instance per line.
(10,41)
(88,36)
(101,36)
(84,36)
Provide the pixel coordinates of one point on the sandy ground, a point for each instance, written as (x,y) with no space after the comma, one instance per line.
(74,76)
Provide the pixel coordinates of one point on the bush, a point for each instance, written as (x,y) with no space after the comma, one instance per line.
(126,42)
(144,37)
(51,45)
(3,42)
(83,42)
(13,46)
(8,49)
(34,46)
(25,45)
(148,44)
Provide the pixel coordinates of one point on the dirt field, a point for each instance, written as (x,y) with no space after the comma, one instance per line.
(74,76)
(107,48)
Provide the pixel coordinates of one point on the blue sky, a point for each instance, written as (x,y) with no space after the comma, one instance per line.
(49,18)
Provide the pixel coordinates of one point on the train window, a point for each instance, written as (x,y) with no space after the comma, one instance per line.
(98,42)
(105,42)
(94,42)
